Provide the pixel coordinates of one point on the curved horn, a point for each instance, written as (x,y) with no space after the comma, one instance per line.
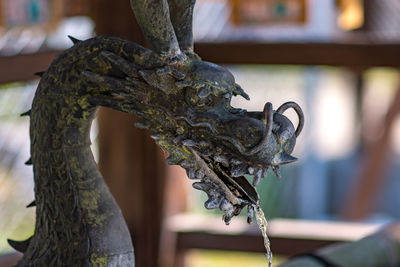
(268,116)
(181,13)
(267,112)
(299,112)
(154,20)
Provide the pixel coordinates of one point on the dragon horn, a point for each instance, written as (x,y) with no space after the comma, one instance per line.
(268,116)
(181,13)
(299,112)
(154,20)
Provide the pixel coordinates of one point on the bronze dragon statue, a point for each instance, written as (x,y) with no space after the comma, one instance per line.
(183,100)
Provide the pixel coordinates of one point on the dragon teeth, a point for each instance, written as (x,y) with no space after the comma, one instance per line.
(256,180)
(259,173)
(222,159)
(238,170)
(277,171)
(265,172)
(251,170)
(257,176)
(228,210)
(250,214)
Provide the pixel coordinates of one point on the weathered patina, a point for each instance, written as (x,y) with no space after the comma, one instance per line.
(183,100)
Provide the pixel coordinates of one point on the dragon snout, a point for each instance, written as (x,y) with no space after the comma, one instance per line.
(268,137)
(278,136)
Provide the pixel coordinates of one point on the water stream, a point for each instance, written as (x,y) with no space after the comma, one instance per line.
(263,224)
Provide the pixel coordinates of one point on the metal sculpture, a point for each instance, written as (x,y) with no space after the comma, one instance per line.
(184,101)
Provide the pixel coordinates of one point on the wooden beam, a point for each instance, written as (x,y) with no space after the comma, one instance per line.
(248,243)
(354,55)
(288,237)
(22,67)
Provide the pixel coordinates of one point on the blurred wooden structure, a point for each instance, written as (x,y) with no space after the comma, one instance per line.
(288,237)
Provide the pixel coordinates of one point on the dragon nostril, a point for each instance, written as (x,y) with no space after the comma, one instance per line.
(299,112)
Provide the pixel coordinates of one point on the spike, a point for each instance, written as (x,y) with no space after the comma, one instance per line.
(20,246)
(283,158)
(32,204)
(28,162)
(74,40)
(237,90)
(39,73)
(27,113)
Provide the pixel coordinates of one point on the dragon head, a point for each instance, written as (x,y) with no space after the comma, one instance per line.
(185,102)
(187,107)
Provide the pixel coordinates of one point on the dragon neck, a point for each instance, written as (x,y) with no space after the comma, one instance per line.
(77,219)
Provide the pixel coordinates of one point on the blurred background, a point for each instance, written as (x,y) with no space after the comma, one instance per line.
(338,60)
